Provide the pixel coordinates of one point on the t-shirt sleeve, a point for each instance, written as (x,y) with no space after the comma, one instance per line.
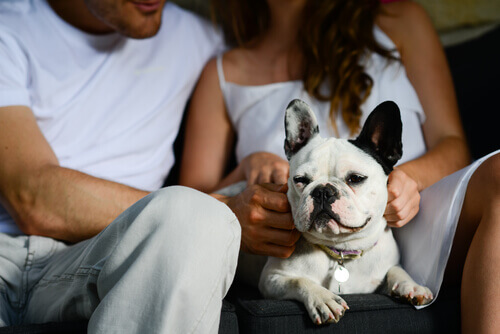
(14,75)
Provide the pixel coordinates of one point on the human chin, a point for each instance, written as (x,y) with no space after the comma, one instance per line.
(135,19)
(140,29)
(140,19)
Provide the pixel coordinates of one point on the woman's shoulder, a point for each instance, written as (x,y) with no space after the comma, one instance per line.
(226,67)
(209,72)
(404,22)
(235,64)
(221,69)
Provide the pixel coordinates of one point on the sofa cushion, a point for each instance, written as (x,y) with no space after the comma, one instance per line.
(368,313)
(228,319)
(77,327)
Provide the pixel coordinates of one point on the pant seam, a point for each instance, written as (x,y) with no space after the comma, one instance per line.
(80,272)
(4,297)
(214,289)
(23,294)
(29,263)
(26,287)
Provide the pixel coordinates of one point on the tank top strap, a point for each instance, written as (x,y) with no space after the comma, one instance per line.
(220,73)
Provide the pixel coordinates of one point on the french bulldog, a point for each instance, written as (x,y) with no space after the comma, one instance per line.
(337,191)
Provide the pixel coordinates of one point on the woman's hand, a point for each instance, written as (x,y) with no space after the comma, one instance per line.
(264,167)
(403,200)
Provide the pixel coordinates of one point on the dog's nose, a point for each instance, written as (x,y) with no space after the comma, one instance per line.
(325,194)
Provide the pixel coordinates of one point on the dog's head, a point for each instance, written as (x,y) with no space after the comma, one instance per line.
(338,187)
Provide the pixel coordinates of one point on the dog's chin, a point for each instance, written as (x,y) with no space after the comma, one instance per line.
(332,227)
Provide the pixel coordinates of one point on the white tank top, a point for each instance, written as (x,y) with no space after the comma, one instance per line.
(257,112)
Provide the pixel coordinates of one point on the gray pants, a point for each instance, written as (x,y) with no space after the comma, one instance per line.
(163,266)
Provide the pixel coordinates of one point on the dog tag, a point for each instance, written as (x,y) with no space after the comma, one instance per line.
(341,274)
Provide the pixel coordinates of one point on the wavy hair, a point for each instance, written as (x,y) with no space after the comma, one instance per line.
(333,38)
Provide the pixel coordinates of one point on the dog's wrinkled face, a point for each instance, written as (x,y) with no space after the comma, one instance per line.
(339,187)
(335,188)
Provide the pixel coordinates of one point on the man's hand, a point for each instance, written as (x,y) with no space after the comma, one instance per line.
(266,222)
(265,167)
(404,199)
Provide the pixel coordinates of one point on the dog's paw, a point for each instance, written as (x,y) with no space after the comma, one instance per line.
(324,306)
(412,292)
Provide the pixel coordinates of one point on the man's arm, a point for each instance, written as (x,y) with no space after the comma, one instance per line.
(45,198)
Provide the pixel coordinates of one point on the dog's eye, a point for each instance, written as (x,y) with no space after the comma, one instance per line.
(353,179)
(301,179)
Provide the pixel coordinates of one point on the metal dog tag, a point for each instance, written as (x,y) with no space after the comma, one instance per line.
(341,274)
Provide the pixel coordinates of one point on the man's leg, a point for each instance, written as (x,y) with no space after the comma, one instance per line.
(163,266)
(12,258)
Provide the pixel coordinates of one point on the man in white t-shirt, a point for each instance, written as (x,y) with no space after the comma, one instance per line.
(91,98)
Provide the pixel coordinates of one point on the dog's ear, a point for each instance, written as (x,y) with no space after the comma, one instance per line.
(381,135)
(300,126)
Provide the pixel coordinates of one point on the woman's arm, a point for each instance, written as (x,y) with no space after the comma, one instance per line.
(263,211)
(209,135)
(407,24)
(423,57)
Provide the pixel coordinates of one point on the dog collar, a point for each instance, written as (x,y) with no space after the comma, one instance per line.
(343,254)
(341,274)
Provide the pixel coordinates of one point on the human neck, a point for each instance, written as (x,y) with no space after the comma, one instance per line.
(78,15)
(285,17)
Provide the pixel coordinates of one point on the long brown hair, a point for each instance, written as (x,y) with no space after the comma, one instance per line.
(334,35)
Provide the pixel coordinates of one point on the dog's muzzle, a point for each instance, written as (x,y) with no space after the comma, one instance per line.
(323,197)
(325,194)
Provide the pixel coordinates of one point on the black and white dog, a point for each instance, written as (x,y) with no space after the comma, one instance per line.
(338,194)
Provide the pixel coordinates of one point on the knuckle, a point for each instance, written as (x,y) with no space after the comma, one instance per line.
(277,165)
(254,216)
(255,196)
(396,223)
(403,222)
(293,240)
(283,205)
(400,215)
(286,252)
(395,192)
(392,190)
(252,176)
(289,242)
(264,170)
(396,206)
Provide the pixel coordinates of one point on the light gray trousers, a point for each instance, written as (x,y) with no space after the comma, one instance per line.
(163,266)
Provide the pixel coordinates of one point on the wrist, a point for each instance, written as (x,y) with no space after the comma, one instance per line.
(412,175)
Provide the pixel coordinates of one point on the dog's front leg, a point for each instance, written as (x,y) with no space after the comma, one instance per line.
(401,285)
(322,305)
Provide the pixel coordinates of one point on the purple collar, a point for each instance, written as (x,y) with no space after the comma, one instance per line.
(342,255)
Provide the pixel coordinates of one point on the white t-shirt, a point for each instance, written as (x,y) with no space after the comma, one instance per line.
(109,106)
